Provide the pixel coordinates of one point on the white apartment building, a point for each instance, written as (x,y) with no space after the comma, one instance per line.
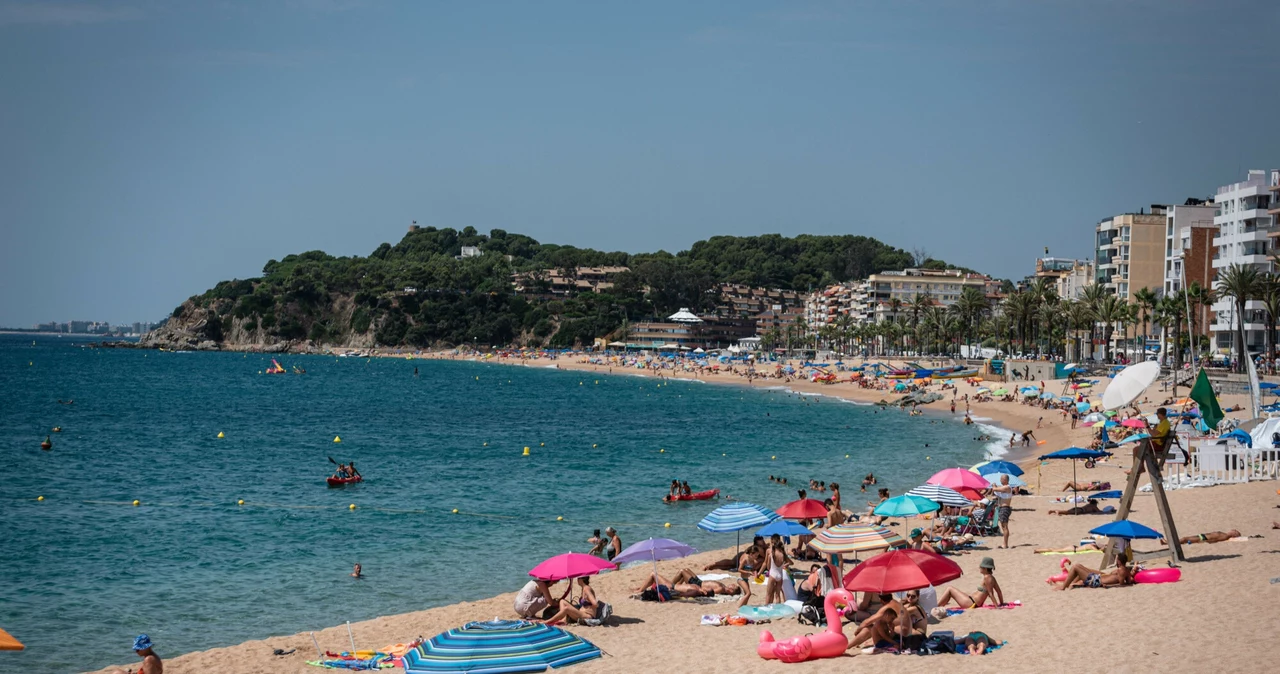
(825,307)
(1243,227)
(1069,276)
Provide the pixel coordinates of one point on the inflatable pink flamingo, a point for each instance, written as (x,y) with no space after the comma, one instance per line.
(1065,564)
(828,644)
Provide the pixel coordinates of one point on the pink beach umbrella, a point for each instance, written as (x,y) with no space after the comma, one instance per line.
(959,478)
(1134,423)
(570,565)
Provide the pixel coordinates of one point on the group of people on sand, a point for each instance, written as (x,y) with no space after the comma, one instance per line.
(534,601)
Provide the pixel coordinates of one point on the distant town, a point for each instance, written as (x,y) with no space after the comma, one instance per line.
(136,329)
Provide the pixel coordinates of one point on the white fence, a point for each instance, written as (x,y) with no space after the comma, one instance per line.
(1229,463)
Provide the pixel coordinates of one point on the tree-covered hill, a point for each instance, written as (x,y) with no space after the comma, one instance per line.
(420,292)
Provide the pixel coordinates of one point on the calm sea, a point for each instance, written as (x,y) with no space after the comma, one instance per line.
(86,571)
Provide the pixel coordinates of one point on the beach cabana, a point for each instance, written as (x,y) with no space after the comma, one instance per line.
(499,646)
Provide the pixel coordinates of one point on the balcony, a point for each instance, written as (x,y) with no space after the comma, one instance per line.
(1257,258)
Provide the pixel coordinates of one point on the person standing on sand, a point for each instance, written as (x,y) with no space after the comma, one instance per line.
(1004,496)
(615,543)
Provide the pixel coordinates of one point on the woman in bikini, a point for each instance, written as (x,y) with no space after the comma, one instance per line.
(978,643)
(584,608)
(984,592)
(913,626)
(1080,575)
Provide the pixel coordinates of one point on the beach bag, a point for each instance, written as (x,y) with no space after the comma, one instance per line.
(662,593)
(604,611)
(939,643)
(813,614)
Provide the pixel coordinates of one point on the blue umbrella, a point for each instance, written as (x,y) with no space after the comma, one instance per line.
(784,528)
(1267,385)
(906,505)
(1114,493)
(1014,480)
(999,467)
(1135,438)
(1125,529)
(1074,453)
(736,517)
(499,646)
(1082,408)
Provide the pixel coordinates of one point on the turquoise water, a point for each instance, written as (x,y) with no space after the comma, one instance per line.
(86,571)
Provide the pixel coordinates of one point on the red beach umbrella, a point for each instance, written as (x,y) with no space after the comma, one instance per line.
(570,565)
(899,570)
(956,478)
(804,509)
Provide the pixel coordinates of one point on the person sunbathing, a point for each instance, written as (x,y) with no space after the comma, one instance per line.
(1089,508)
(687,584)
(1085,544)
(1095,485)
(880,626)
(978,643)
(1080,575)
(984,592)
(1211,537)
(586,607)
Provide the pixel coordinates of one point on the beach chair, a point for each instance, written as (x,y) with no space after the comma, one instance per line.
(982,522)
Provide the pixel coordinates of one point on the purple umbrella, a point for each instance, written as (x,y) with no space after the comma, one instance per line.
(654,550)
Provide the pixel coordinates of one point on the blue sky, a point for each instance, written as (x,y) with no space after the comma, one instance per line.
(150,148)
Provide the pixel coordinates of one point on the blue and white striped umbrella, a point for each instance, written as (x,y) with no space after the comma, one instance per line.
(939,494)
(497,647)
(736,517)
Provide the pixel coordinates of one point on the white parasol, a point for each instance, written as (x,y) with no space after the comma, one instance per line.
(1129,384)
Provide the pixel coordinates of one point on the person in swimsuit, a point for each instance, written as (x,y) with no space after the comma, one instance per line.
(357,573)
(687,584)
(586,606)
(151,663)
(597,543)
(778,563)
(977,643)
(1080,575)
(880,626)
(913,626)
(1211,537)
(1086,486)
(1089,508)
(980,596)
(1004,496)
(835,516)
(675,488)
(835,496)
(615,544)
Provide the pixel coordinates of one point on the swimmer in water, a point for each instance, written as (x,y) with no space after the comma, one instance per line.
(357,573)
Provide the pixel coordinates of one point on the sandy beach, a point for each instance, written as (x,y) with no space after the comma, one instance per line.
(1221,615)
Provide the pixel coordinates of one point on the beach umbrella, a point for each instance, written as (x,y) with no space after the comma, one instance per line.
(654,550)
(906,505)
(855,538)
(957,478)
(901,570)
(1134,422)
(1047,396)
(499,646)
(1125,529)
(1134,438)
(8,643)
(1083,408)
(983,390)
(1000,392)
(570,565)
(783,527)
(1129,384)
(998,467)
(994,479)
(1093,418)
(736,517)
(1075,453)
(803,509)
(943,495)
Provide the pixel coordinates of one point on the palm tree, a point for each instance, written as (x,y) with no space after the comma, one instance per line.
(970,307)
(1079,314)
(1169,314)
(1269,294)
(1110,311)
(1200,297)
(1144,300)
(1240,283)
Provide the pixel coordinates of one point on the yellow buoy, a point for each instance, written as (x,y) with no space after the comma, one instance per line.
(597,382)
(221,435)
(526,451)
(559,518)
(667,525)
(477,377)
(486,444)
(846,456)
(773,458)
(724,454)
(39,498)
(455,511)
(927,458)
(137,502)
(579,383)
(240,502)
(351,507)
(542,444)
(662,451)
(593,445)
(337,438)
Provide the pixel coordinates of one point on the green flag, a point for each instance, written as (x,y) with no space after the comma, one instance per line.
(1202,393)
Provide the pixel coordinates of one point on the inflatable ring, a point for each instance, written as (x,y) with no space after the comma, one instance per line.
(1090,463)
(768,611)
(1153,576)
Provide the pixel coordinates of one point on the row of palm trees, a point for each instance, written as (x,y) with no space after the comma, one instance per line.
(1035,321)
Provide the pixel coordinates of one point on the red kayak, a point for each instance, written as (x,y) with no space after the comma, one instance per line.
(695,496)
(339,481)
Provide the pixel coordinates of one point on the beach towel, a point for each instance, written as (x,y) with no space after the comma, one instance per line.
(1075,552)
(1007,605)
(716,576)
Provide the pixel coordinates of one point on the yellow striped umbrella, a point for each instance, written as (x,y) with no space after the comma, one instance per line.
(855,538)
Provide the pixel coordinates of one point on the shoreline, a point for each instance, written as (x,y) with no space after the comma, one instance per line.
(1032,630)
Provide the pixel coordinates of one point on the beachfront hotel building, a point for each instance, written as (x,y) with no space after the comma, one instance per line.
(1189,251)
(1069,277)
(941,286)
(1245,225)
(1130,252)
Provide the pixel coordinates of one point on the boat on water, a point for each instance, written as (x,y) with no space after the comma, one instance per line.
(275,368)
(343,481)
(695,496)
(956,374)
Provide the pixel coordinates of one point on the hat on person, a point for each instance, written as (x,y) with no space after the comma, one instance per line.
(916,532)
(968,538)
(987,563)
(142,643)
